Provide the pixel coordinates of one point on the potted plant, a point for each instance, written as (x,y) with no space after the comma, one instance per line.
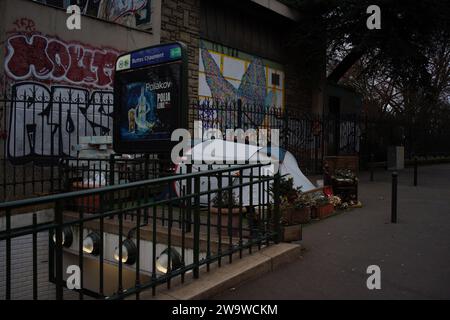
(344,177)
(294,204)
(290,233)
(345,185)
(322,207)
(224,205)
(335,201)
(299,210)
(295,209)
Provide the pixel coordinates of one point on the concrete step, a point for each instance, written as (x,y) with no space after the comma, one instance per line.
(229,276)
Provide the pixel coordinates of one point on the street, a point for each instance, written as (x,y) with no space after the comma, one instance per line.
(414,255)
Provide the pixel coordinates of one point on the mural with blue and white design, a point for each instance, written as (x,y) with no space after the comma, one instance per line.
(228,77)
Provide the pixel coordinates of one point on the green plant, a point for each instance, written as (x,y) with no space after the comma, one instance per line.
(320,200)
(286,189)
(345,175)
(302,201)
(223,200)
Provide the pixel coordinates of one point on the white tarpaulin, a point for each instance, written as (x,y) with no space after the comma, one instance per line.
(218,152)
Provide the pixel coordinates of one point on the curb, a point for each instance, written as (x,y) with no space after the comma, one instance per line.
(232,275)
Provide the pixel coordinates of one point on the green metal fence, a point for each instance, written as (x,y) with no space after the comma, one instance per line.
(145,216)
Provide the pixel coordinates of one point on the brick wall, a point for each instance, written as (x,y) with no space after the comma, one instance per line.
(180,21)
(305,75)
(298,96)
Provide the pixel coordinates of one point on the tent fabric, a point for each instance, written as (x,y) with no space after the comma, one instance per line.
(221,151)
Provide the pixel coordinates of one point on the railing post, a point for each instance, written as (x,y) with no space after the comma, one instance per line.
(239,104)
(59,250)
(111,182)
(35,258)
(277,214)
(8,255)
(197,227)
(394,197)
(111,170)
(62,175)
(189,202)
(286,129)
(146,193)
(147,166)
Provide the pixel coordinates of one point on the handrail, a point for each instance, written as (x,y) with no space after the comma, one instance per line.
(106,189)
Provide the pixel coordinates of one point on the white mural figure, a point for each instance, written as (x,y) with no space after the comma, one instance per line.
(119,8)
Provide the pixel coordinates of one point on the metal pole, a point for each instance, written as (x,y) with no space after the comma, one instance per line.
(277,214)
(372,165)
(416,169)
(197,228)
(394,197)
(59,250)
(239,105)
(111,170)
(189,202)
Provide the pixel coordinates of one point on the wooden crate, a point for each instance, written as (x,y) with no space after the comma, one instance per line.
(324,212)
(292,233)
(343,162)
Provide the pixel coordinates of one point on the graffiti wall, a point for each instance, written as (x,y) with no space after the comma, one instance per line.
(226,74)
(119,11)
(59,90)
(49,59)
(128,12)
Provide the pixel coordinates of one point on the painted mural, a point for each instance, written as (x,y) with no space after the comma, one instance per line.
(228,75)
(128,12)
(117,9)
(60,91)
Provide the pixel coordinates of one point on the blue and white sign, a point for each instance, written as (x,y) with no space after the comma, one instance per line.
(150,56)
(150,98)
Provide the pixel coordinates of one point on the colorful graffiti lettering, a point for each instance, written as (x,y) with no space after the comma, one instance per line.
(60,91)
(50,59)
(48,121)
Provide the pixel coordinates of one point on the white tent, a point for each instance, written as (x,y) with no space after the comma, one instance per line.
(218,152)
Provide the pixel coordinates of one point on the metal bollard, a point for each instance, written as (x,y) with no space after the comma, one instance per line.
(416,169)
(372,157)
(394,197)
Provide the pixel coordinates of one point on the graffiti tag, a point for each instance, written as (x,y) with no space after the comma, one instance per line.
(48,121)
(45,58)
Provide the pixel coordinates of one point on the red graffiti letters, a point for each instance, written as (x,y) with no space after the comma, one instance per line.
(44,58)
(27,56)
(24,24)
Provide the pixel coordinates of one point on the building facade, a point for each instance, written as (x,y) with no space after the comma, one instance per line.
(238,50)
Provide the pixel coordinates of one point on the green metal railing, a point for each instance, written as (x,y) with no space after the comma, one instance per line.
(151,211)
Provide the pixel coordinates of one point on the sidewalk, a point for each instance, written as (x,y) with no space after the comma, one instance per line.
(414,255)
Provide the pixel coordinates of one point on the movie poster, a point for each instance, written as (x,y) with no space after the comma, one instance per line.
(149,107)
